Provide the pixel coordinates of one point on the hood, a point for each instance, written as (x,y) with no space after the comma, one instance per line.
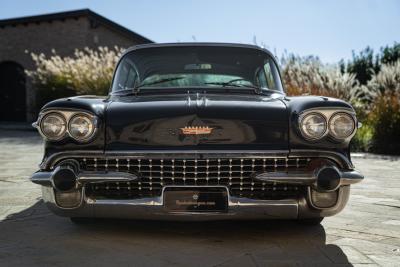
(212,121)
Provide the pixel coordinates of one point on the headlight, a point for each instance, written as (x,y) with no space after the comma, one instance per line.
(341,125)
(53,126)
(81,127)
(313,126)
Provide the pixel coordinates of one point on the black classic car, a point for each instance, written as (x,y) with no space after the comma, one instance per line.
(197,131)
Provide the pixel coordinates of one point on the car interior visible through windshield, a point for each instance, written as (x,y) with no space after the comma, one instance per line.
(200,67)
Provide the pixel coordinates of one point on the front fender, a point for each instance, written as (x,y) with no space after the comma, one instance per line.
(91,104)
(297,105)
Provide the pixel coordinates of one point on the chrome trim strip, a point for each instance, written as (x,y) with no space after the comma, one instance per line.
(351,177)
(102,177)
(51,161)
(340,159)
(305,178)
(330,109)
(45,178)
(42,178)
(309,178)
(201,153)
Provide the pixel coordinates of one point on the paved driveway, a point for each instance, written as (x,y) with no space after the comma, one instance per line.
(366,233)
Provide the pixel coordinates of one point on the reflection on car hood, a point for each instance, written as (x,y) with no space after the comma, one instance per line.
(197,121)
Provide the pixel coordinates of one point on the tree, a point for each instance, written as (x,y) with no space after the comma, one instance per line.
(364,65)
(390,54)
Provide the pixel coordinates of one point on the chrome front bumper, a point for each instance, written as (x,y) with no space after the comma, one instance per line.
(153,208)
(238,207)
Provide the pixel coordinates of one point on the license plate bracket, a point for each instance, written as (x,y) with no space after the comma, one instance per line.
(195,199)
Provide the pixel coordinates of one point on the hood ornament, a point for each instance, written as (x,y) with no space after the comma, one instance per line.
(196,130)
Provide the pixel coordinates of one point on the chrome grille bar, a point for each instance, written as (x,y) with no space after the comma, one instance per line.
(234,173)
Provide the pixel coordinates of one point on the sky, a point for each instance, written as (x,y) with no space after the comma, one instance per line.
(329,29)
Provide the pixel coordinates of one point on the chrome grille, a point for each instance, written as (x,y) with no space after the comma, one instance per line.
(154,174)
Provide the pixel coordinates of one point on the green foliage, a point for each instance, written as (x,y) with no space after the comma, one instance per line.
(362,139)
(390,54)
(385,121)
(364,65)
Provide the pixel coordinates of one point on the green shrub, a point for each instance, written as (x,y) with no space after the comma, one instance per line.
(385,121)
(384,110)
(362,140)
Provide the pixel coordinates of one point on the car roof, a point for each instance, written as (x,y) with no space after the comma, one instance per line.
(199,44)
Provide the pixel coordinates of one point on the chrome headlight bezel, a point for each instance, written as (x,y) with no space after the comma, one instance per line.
(68,115)
(57,115)
(87,118)
(302,125)
(329,113)
(331,125)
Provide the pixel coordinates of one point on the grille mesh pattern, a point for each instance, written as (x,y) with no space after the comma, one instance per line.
(154,174)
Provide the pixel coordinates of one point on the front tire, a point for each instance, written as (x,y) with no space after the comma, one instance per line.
(310,221)
(80,220)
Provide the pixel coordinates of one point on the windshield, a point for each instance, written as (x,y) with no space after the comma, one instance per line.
(205,67)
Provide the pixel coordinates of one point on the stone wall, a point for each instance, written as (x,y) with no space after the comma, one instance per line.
(63,35)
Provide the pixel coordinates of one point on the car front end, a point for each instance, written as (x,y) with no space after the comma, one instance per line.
(196,136)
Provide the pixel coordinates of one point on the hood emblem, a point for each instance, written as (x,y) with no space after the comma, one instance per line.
(195,130)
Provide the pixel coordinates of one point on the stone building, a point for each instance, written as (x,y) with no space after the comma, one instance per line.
(63,32)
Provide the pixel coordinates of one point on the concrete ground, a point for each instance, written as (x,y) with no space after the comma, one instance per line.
(366,233)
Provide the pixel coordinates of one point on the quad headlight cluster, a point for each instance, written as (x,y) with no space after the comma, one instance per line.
(316,124)
(56,125)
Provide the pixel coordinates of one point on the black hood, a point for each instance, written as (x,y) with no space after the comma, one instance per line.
(249,122)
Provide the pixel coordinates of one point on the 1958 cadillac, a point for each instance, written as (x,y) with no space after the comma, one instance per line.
(197,131)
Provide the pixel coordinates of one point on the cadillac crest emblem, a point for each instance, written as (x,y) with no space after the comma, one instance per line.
(196,130)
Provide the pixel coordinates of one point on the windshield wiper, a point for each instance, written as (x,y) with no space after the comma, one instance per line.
(231,83)
(227,84)
(136,88)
